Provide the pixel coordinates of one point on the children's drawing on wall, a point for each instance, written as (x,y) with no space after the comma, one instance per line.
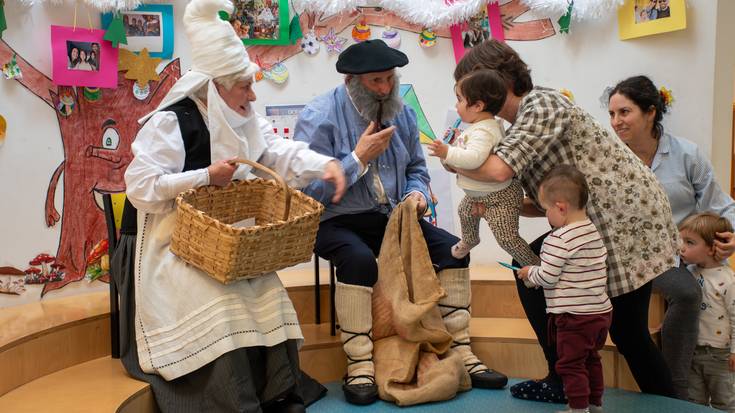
(96,136)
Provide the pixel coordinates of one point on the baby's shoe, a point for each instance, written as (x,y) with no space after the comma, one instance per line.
(595,409)
(461,249)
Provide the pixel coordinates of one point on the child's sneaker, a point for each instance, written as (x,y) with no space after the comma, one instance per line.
(461,249)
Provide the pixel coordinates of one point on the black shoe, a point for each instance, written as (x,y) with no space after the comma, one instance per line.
(548,389)
(365,393)
(488,379)
(287,405)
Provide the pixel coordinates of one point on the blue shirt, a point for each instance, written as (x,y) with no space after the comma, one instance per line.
(331,125)
(689,181)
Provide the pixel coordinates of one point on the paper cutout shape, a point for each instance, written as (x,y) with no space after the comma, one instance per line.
(310,44)
(294,30)
(427,38)
(3,129)
(278,73)
(391,37)
(333,42)
(11,70)
(115,33)
(361,31)
(149,26)
(81,57)
(408,94)
(141,68)
(3,23)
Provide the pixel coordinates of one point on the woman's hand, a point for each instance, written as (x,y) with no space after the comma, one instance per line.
(493,170)
(724,245)
(220,173)
(333,173)
(439,149)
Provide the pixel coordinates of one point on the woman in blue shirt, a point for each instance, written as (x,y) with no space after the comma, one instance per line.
(636,108)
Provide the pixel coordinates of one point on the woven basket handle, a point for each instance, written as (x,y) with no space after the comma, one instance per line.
(278,179)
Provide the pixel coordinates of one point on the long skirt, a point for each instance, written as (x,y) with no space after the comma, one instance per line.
(245,380)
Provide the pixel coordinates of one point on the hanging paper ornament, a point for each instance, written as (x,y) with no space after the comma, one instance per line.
(3,23)
(141,93)
(294,30)
(391,37)
(66,104)
(310,44)
(141,68)
(565,20)
(583,9)
(361,31)
(278,73)
(92,93)
(115,33)
(333,42)
(427,38)
(11,70)
(3,129)
(259,76)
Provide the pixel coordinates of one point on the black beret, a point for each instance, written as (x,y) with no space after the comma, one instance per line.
(368,57)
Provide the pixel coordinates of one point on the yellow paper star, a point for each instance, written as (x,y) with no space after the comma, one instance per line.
(141,68)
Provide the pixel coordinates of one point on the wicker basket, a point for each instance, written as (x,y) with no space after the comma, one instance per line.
(285,228)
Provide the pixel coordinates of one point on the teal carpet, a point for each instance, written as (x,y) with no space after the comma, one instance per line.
(486,401)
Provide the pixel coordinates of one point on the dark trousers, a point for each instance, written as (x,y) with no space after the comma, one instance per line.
(352,242)
(579,338)
(628,330)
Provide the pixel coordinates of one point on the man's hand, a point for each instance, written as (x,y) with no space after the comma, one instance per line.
(439,149)
(522,274)
(420,202)
(333,173)
(724,245)
(371,144)
(220,173)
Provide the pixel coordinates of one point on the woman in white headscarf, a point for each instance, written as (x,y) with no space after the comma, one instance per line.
(205,346)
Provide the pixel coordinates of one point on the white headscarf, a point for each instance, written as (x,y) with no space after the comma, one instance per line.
(216,51)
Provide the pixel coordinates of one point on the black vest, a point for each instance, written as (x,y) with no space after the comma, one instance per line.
(196,144)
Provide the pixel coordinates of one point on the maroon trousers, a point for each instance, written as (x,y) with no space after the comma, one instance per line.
(578,340)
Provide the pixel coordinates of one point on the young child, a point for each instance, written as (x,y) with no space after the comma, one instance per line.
(480,95)
(573,274)
(711,376)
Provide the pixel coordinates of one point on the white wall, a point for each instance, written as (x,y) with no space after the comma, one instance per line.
(696,63)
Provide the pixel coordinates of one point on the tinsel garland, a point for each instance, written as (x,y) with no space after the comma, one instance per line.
(101,5)
(582,10)
(428,13)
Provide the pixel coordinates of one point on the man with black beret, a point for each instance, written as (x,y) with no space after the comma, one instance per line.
(365,125)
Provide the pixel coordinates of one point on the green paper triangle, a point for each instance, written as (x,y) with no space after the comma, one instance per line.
(408,94)
(223,15)
(116,32)
(566,19)
(3,24)
(294,30)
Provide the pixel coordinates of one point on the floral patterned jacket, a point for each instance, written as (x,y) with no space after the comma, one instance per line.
(627,204)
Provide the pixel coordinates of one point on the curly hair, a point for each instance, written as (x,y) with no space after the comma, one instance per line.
(492,54)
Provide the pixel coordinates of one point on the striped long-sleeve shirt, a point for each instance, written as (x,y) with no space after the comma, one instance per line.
(573,271)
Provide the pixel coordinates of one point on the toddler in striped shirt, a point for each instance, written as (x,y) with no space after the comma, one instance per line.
(573,274)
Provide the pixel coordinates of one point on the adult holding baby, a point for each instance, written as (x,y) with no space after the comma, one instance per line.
(627,205)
